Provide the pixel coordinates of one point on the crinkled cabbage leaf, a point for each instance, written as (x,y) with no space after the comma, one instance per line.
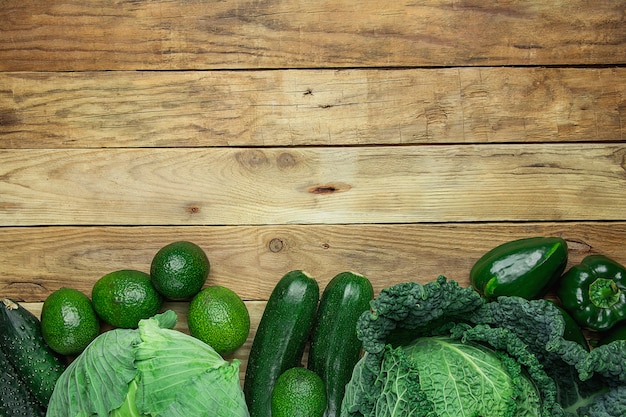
(441,350)
(150,371)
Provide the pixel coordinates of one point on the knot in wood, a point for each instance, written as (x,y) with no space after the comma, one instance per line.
(276,245)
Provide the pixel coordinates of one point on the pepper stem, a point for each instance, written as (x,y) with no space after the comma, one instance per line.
(604,292)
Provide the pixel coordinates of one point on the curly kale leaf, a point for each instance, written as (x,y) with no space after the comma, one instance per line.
(585,380)
(609,404)
(408,310)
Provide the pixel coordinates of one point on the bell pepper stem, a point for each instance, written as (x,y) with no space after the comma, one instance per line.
(604,292)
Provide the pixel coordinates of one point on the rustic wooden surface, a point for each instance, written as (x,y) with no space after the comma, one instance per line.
(311,107)
(165,34)
(398,140)
(394,184)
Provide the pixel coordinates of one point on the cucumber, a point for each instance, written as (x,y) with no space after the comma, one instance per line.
(280,339)
(335,348)
(22,341)
(15,398)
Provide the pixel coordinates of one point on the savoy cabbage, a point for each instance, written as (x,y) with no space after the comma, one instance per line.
(441,350)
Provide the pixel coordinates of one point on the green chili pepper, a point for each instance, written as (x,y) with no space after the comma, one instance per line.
(594,292)
(525,267)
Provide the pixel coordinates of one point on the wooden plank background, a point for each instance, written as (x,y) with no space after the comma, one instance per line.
(400,140)
(311,107)
(396,184)
(164,35)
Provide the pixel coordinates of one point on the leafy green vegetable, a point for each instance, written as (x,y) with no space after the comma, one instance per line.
(150,371)
(440,350)
(465,371)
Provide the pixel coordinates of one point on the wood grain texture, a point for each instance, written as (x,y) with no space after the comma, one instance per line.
(251,259)
(235,186)
(311,107)
(401,140)
(165,34)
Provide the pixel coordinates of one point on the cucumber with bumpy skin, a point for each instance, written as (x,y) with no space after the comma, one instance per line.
(22,341)
(280,338)
(15,398)
(335,348)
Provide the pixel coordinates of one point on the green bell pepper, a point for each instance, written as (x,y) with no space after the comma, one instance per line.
(617,332)
(525,268)
(594,292)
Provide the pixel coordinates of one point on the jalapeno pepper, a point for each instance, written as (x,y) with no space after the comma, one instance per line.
(594,292)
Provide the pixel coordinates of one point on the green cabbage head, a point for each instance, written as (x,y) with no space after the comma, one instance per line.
(441,350)
(150,371)
(443,376)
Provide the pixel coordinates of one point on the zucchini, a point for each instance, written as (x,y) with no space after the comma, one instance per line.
(335,348)
(280,339)
(15,398)
(22,341)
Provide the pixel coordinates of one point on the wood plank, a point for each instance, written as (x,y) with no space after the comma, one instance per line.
(239,186)
(166,35)
(251,259)
(311,107)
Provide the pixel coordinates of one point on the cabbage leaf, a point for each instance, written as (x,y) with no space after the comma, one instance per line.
(150,371)
(457,376)
(422,359)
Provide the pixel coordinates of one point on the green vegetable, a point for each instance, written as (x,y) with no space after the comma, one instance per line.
(298,392)
(525,267)
(471,357)
(594,292)
(616,333)
(150,371)
(335,348)
(15,397)
(280,339)
(572,331)
(478,371)
(22,341)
